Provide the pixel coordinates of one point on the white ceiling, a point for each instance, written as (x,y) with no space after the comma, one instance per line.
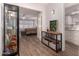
(69,4)
(28,13)
(32,14)
(72,9)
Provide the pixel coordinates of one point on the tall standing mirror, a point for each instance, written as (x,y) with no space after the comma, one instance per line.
(11,30)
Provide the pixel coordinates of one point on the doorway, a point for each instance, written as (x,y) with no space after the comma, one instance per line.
(29,22)
(72,29)
(29,29)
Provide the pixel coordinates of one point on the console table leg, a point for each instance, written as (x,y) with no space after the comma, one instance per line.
(48,43)
(61,42)
(56,44)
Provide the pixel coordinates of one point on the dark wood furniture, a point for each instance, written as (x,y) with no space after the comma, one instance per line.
(52,38)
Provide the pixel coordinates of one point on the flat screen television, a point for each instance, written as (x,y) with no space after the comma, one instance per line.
(53,25)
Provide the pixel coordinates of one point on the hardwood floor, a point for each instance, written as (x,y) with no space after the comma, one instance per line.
(31,46)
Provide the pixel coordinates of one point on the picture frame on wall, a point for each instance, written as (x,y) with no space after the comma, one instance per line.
(53,25)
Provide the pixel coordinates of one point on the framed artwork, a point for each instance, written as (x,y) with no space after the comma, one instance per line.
(53,25)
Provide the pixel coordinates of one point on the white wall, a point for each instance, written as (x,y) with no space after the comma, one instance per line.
(1,29)
(59,16)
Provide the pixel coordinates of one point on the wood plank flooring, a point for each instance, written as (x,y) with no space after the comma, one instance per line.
(31,46)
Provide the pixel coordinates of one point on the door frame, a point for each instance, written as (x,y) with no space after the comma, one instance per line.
(39,16)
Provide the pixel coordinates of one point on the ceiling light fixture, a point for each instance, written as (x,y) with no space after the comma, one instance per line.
(53,12)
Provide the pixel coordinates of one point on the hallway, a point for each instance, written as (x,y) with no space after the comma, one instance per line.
(31,46)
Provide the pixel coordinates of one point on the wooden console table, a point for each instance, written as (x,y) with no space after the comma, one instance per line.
(48,36)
